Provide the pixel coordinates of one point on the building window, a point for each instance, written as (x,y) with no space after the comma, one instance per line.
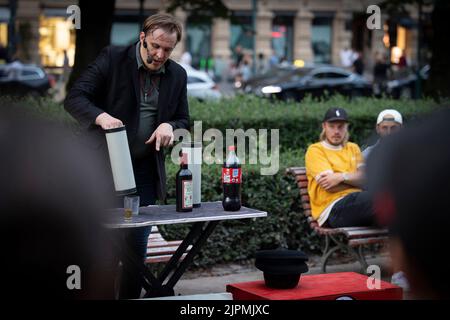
(241,32)
(282,36)
(57,38)
(3,34)
(396,37)
(321,39)
(124,33)
(198,43)
(126,28)
(4,18)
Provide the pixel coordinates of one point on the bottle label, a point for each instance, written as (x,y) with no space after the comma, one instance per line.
(231,175)
(187,194)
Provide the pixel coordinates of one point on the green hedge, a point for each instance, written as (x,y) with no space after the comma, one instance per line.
(239,239)
(299,126)
(299,123)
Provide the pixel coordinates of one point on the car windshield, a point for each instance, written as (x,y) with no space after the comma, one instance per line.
(275,72)
(296,75)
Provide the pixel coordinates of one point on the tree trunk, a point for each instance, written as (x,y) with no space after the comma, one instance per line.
(93,36)
(439,82)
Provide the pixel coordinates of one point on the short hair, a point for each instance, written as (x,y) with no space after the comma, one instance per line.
(163,21)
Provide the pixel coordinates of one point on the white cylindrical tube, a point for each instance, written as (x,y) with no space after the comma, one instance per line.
(120,159)
(194,152)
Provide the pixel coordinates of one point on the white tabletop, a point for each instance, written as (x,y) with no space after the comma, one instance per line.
(166,214)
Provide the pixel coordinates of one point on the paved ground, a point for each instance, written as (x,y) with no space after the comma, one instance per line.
(216,279)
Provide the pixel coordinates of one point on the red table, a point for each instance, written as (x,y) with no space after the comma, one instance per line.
(329,286)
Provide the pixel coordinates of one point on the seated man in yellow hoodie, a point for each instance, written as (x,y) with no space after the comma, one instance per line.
(334,178)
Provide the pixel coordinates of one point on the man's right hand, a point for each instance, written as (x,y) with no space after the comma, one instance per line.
(105,121)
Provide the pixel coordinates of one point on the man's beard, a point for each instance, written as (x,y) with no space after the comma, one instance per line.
(336,144)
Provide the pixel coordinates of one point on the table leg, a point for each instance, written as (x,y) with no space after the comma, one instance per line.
(194,233)
(197,236)
(149,280)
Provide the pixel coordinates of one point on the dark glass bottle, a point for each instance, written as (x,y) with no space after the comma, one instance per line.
(231,181)
(184,187)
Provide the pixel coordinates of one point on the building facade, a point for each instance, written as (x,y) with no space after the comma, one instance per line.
(302,30)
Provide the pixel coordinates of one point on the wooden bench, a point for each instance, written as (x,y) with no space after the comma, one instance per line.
(354,237)
(161,250)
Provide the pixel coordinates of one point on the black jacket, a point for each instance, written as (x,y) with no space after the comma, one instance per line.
(111,84)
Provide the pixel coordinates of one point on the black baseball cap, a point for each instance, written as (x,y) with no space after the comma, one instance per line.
(335,114)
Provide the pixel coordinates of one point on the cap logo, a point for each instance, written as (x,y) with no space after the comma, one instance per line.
(338,113)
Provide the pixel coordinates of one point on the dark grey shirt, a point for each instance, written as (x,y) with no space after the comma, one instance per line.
(149,93)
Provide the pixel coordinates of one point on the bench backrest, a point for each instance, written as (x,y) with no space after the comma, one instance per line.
(301,179)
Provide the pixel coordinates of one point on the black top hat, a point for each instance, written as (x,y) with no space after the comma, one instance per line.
(282,268)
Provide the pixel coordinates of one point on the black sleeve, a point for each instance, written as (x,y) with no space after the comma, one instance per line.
(180,119)
(80,99)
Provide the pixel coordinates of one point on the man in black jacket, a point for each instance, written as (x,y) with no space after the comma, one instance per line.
(139,87)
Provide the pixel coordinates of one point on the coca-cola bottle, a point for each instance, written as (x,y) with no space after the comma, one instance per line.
(184,187)
(231,181)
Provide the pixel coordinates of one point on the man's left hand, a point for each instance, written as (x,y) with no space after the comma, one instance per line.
(330,180)
(163,136)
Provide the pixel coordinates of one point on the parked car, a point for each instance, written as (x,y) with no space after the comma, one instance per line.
(200,85)
(270,76)
(24,79)
(316,80)
(404,86)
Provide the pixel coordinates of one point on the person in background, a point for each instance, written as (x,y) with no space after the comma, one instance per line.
(261,63)
(334,176)
(3,55)
(358,64)
(389,121)
(346,56)
(402,62)
(239,55)
(274,60)
(66,67)
(381,72)
(245,71)
(284,62)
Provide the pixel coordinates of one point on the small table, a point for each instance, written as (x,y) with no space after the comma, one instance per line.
(204,219)
(328,286)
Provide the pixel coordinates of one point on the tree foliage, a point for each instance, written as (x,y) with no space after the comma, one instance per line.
(94,34)
(201,11)
(438,84)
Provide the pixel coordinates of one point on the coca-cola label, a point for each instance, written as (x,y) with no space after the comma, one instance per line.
(187,194)
(231,175)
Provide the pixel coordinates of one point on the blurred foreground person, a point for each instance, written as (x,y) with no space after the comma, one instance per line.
(409,178)
(51,198)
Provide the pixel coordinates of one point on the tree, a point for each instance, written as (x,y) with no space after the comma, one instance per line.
(94,34)
(438,84)
(439,81)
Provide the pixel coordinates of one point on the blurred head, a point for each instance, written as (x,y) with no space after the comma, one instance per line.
(335,127)
(388,121)
(51,201)
(409,178)
(160,34)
